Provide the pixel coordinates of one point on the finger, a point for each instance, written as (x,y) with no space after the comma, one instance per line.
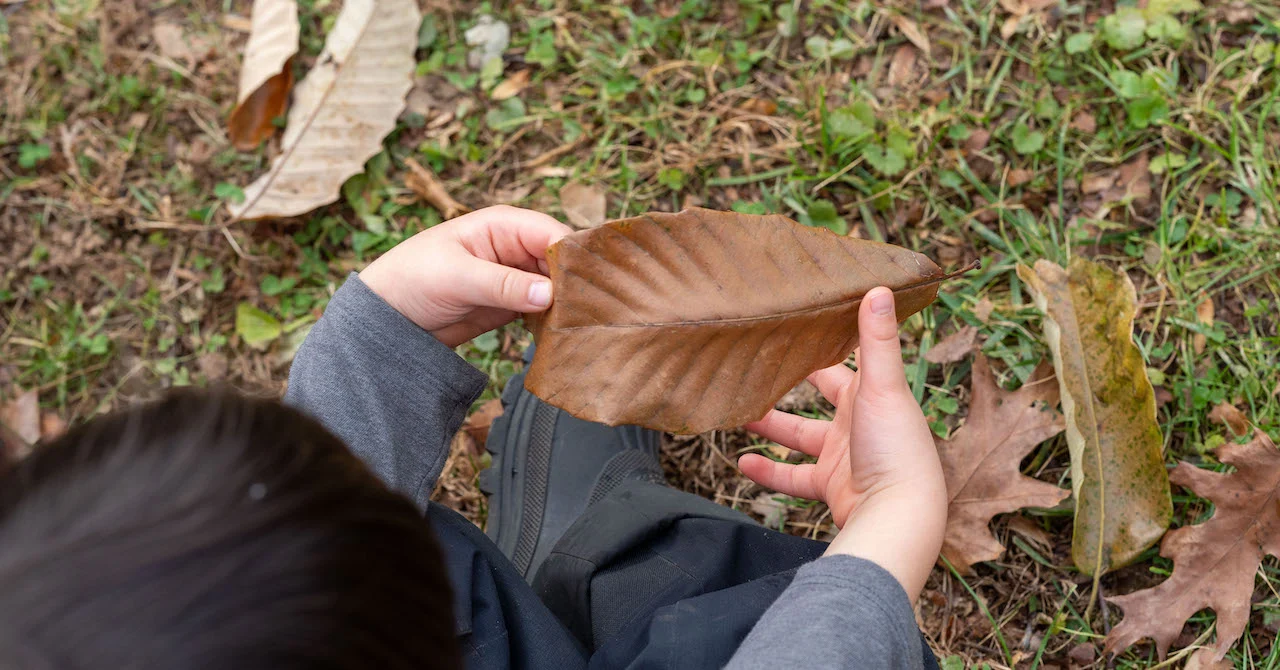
(485,284)
(785,478)
(880,358)
(831,381)
(793,432)
(509,235)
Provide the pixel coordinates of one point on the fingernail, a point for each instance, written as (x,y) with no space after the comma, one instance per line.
(540,293)
(883,303)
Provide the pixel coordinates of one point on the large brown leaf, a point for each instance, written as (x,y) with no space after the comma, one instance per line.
(1214,563)
(702,320)
(981,461)
(341,111)
(1117,468)
(267,73)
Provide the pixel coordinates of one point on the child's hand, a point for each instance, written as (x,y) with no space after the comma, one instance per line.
(877,468)
(469,275)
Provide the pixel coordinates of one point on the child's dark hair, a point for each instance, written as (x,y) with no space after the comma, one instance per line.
(209,530)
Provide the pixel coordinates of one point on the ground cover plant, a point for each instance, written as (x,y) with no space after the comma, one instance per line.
(1141,137)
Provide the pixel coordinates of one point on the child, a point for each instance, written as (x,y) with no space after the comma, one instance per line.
(213,531)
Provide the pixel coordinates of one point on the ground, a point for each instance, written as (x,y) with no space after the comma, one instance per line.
(964,129)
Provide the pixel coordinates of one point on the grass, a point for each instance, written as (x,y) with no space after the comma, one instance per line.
(121,274)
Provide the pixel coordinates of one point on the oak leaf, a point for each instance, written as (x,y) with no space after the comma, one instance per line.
(341,111)
(1214,563)
(267,73)
(981,461)
(702,320)
(1117,467)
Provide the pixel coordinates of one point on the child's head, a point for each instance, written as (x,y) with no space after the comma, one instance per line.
(210,530)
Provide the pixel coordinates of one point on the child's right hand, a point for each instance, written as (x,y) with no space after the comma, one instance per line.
(877,469)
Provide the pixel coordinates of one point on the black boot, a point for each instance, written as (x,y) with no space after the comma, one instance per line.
(549,466)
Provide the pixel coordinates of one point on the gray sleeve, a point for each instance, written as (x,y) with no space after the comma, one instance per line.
(390,390)
(853,614)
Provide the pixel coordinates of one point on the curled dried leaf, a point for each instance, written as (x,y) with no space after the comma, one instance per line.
(342,110)
(267,73)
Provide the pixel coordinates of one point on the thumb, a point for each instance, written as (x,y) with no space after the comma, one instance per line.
(880,365)
(493,285)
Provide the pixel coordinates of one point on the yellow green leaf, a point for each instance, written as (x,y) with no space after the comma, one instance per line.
(1117,468)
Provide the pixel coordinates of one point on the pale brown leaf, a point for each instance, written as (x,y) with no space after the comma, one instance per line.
(1019,177)
(342,110)
(1204,316)
(902,66)
(981,461)
(267,73)
(912,32)
(1084,122)
(954,347)
(1230,416)
(583,205)
(1117,466)
(512,86)
(424,183)
(701,320)
(1214,563)
(171,41)
(982,311)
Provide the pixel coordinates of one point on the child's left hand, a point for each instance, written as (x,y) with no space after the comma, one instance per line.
(469,275)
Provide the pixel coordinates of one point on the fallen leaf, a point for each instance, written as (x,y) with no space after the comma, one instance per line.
(423,182)
(342,110)
(1098,183)
(1204,316)
(701,320)
(172,42)
(977,141)
(583,205)
(1083,654)
(981,461)
(1230,416)
(1134,177)
(1214,563)
(902,65)
(1117,467)
(982,311)
(1031,532)
(1010,26)
(512,86)
(771,510)
(267,73)
(1203,659)
(761,106)
(1085,123)
(912,32)
(954,347)
(477,425)
(1019,177)
(19,424)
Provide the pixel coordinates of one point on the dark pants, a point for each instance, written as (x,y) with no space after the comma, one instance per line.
(649,577)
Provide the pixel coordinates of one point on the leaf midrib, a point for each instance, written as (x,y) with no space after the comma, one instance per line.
(937,279)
